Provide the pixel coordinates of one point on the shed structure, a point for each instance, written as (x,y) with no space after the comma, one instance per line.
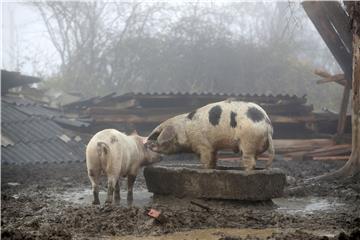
(31,133)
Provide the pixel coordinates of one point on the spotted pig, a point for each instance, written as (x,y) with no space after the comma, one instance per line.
(230,124)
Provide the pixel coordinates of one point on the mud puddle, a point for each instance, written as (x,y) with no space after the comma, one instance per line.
(211,234)
(219,233)
(81,196)
(306,205)
(294,206)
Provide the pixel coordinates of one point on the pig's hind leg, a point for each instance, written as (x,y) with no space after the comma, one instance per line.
(111,188)
(117,192)
(94,179)
(248,156)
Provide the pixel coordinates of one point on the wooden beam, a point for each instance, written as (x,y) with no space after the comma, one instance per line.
(340,20)
(326,28)
(338,78)
(327,77)
(322,73)
(343,109)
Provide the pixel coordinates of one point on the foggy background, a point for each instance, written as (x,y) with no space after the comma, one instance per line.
(97,48)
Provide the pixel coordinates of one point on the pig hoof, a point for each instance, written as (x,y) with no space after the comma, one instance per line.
(249,169)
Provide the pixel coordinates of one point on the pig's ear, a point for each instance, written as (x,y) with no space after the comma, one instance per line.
(154,135)
(134,133)
(167,135)
(144,140)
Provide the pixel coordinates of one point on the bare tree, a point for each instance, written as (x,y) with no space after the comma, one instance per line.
(190,47)
(89,48)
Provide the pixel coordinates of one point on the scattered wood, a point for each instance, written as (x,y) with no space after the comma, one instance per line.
(331,151)
(300,149)
(337,158)
(200,205)
(295,145)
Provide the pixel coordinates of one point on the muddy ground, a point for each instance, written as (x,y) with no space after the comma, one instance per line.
(54,202)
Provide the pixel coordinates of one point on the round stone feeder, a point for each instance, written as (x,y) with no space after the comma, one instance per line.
(221,183)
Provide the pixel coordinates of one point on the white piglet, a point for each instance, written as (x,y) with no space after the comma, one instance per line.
(117,155)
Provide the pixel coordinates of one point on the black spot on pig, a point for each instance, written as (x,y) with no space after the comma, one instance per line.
(214,115)
(255,114)
(191,115)
(233,122)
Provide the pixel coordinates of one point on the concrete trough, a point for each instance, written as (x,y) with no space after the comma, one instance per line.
(221,183)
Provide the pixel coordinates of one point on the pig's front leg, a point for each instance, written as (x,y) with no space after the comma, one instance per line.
(130,181)
(208,157)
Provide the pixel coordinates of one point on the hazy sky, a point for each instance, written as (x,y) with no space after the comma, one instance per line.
(25,42)
(24,35)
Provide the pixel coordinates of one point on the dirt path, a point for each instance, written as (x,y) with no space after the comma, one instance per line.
(53,202)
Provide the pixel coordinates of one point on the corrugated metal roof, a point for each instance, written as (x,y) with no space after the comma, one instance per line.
(11,114)
(54,151)
(36,137)
(281,96)
(33,129)
(36,110)
(18,101)
(24,108)
(268,97)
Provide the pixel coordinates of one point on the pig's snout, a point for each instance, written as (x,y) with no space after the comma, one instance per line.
(152,145)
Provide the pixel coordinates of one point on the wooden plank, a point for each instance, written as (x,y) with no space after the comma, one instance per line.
(285,143)
(331,152)
(331,148)
(321,21)
(295,119)
(341,158)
